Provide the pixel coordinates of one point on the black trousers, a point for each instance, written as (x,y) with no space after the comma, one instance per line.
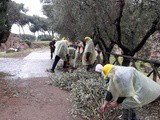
(89,67)
(52,51)
(57,58)
(52,54)
(129,114)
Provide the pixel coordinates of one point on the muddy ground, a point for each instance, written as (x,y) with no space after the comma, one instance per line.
(24,94)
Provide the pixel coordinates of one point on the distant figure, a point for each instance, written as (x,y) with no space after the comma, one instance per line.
(89,55)
(52,47)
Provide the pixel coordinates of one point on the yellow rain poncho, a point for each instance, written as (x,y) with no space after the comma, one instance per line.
(61,49)
(128,82)
(89,48)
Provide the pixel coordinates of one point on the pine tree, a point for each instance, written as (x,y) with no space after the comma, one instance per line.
(4,24)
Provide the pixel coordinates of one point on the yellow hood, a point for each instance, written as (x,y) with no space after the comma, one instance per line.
(106,69)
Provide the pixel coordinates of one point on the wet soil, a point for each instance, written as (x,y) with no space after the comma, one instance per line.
(26,95)
(29,97)
(33,99)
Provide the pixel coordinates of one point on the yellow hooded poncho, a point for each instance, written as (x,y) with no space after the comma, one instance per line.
(128,82)
(61,49)
(89,48)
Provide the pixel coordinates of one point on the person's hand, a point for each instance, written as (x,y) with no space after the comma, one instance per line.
(113,104)
(103,107)
(86,60)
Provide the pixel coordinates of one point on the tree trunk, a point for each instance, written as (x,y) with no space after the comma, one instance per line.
(52,33)
(19,29)
(49,33)
(105,58)
(103,46)
(125,62)
(23,30)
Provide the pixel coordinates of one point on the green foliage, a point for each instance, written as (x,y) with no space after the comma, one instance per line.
(28,37)
(17,15)
(65,84)
(15,54)
(4,24)
(87,93)
(40,44)
(24,19)
(14,12)
(44,37)
(65,81)
(38,24)
(87,96)
(29,43)
(110,22)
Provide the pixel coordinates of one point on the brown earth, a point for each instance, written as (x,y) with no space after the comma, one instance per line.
(33,99)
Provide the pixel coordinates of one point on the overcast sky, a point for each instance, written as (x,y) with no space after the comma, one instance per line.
(35,8)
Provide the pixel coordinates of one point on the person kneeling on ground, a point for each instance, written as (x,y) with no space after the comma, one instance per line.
(128,86)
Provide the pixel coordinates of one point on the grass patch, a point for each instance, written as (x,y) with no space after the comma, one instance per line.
(15,54)
(37,45)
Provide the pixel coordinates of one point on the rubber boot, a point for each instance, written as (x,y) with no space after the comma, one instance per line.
(89,67)
(132,115)
(125,114)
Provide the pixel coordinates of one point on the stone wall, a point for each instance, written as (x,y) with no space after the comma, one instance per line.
(13,41)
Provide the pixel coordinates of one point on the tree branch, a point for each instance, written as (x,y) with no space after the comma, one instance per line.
(120,4)
(148,34)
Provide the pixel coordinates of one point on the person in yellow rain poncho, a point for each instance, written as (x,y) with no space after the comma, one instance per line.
(61,52)
(129,87)
(89,55)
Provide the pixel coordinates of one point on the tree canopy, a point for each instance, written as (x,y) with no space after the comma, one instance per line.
(17,15)
(127,23)
(4,24)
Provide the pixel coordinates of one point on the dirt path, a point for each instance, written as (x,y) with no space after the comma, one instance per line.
(32,99)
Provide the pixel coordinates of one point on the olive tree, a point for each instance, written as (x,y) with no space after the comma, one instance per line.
(127,23)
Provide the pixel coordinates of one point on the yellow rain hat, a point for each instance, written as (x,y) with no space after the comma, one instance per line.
(66,41)
(86,38)
(106,69)
(63,38)
(54,39)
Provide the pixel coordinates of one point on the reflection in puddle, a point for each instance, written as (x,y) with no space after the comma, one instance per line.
(34,65)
